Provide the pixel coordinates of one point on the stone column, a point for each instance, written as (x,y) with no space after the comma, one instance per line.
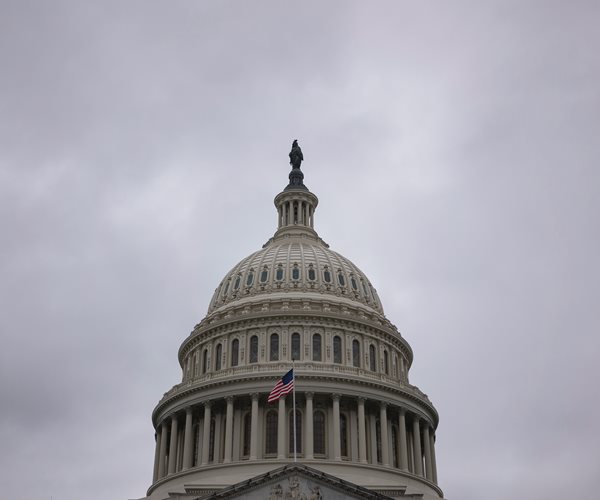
(206,433)
(228,431)
(281,454)
(427,450)
(188,441)
(173,445)
(433,462)
(254,426)
(403,443)
(383,424)
(163,449)
(337,454)
(362,434)
(418,456)
(157,454)
(308,435)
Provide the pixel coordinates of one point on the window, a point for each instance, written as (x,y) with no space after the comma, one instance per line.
(353,283)
(316,345)
(298,432)
(386,363)
(218,357)
(295,346)
(378,438)
(211,441)
(236,283)
(355,353)
(337,349)
(274,348)
(365,289)
(341,279)
(247,429)
(250,278)
(254,349)
(264,275)
(235,352)
(312,275)
(344,435)
(295,272)
(372,359)
(279,273)
(271,432)
(205,361)
(326,276)
(226,289)
(319,432)
(395,446)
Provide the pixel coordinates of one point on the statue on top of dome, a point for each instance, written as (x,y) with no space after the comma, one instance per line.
(296,156)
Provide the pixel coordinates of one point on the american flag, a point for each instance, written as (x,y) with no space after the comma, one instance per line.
(284,386)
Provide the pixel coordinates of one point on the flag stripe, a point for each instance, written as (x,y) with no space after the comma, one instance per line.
(284,386)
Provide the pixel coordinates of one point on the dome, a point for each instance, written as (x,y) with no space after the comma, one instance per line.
(298,266)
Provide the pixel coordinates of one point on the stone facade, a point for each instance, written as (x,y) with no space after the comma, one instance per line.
(295,303)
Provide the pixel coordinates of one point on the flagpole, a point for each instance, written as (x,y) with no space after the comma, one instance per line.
(294,402)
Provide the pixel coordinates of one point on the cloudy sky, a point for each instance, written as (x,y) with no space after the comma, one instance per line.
(454,148)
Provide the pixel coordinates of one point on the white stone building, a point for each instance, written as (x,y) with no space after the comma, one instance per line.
(363,431)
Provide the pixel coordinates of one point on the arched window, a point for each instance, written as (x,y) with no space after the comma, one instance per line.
(344,435)
(235,352)
(211,440)
(298,432)
(319,432)
(316,345)
(295,272)
(279,273)
(295,346)
(274,348)
(386,363)
(312,275)
(356,353)
(254,349)
(394,446)
(378,438)
(205,361)
(218,354)
(326,275)
(341,279)
(247,432)
(271,432)
(337,349)
(372,359)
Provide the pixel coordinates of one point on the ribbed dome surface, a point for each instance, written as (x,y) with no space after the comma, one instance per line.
(296,266)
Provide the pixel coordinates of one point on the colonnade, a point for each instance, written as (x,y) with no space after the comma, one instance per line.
(356,429)
(296,212)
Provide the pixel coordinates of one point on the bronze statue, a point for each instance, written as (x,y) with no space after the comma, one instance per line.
(296,156)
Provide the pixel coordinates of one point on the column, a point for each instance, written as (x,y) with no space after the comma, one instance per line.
(206,432)
(308,435)
(163,449)
(254,426)
(281,429)
(433,462)
(362,435)
(156,454)
(383,425)
(173,445)
(403,444)
(337,454)
(188,441)
(228,430)
(418,460)
(427,450)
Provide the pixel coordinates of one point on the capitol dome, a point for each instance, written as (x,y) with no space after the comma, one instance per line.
(354,426)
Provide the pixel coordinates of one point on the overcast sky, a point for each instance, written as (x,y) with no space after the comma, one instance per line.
(454,147)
